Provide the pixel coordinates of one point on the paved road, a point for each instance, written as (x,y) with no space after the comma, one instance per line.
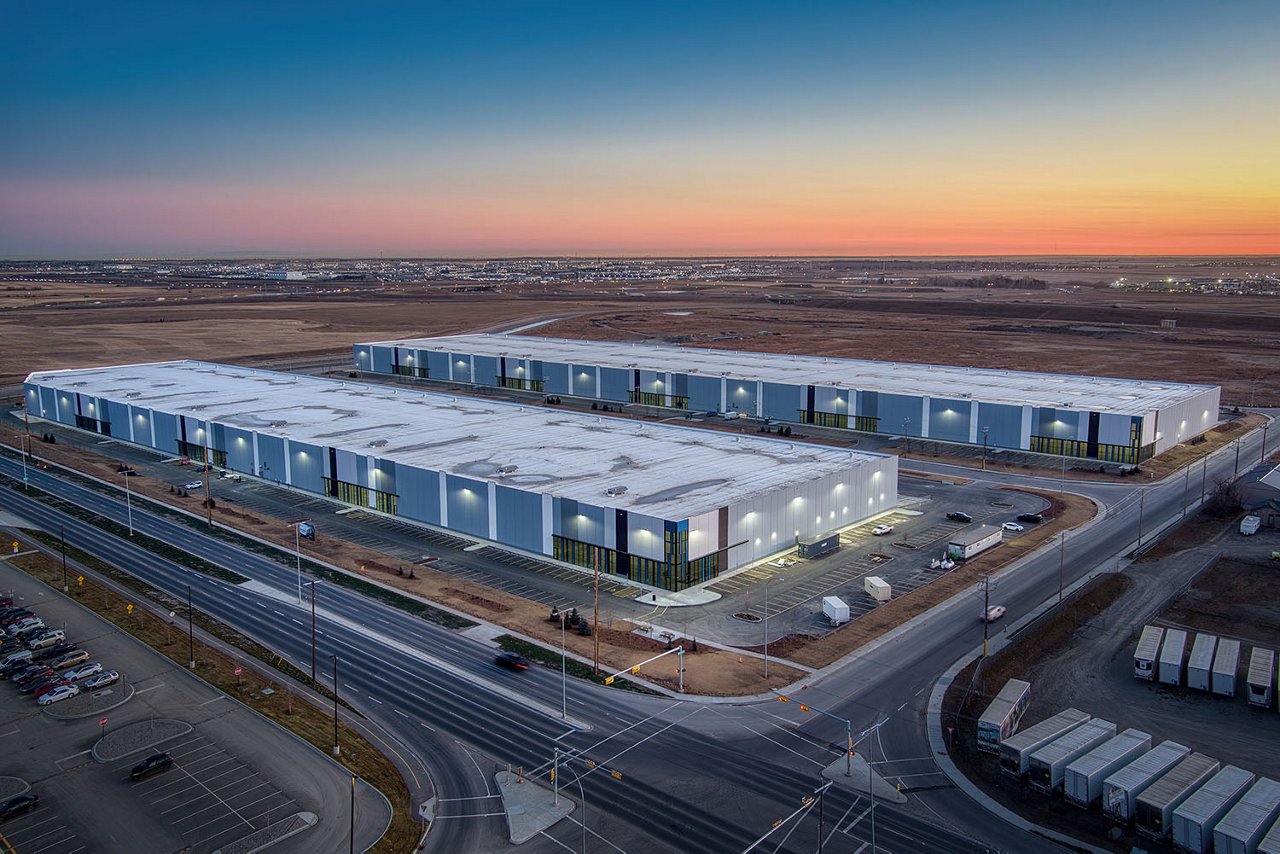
(696,777)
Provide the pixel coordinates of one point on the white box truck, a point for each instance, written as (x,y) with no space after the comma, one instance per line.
(1262,667)
(1121,789)
(1049,763)
(1154,812)
(970,543)
(1200,664)
(1194,820)
(1172,653)
(1250,524)
(1226,665)
(1242,828)
(1082,784)
(1016,750)
(877,588)
(1003,715)
(1147,653)
(835,609)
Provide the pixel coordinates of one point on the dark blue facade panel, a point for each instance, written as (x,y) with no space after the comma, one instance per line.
(1055,423)
(438,365)
(419,495)
(383,475)
(468,505)
(118,417)
(583,522)
(615,384)
(141,425)
(704,394)
(306,466)
(519,518)
(949,419)
(1003,423)
(555,378)
(486,370)
(740,396)
(461,367)
(240,450)
(270,458)
(584,380)
(382,357)
(781,401)
(892,409)
(166,427)
(346,467)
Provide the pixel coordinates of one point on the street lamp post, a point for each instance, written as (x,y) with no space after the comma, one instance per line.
(26,451)
(766,628)
(985,431)
(906,434)
(128,501)
(1265,425)
(62,540)
(337,751)
(1142,502)
(352,836)
(297,551)
(313,631)
(1186,487)
(564,676)
(1062,559)
(191,632)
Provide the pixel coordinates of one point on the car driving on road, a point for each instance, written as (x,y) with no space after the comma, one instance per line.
(994,613)
(512,661)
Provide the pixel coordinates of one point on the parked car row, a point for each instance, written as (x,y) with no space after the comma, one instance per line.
(40,661)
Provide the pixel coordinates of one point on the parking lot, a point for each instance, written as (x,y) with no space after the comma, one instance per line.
(209,797)
(233,772)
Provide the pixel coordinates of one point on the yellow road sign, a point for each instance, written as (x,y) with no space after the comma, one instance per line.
(635,669)
(608,680)
(128,609)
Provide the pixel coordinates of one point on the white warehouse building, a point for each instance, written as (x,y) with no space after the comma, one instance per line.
(666,506)
(1102,418)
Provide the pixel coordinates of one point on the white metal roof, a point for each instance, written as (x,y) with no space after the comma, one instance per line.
(669,472)
(1017,388)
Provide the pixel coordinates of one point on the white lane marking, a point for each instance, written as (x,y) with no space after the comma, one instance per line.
(429,727)
(214,700)
(145,690)
(556,841)
(400,713)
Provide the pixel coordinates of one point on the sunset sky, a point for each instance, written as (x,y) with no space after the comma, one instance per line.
(476,128)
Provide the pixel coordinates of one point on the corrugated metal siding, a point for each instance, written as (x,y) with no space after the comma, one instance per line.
(519,518)
(468,505)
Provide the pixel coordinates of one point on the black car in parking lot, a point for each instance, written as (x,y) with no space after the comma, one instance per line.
(19,805)
(55,651)
(957,516)
(1034,518)
(157,763)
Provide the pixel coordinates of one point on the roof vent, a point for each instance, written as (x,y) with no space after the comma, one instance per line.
(508,468)
(378,443)
(133,394)
(615,490)
(279,423)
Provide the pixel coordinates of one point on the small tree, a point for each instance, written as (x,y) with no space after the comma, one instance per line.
(1224,501)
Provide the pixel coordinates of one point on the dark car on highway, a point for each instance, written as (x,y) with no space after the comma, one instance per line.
(512,661)
(19,805)
(957,516)
(157,763)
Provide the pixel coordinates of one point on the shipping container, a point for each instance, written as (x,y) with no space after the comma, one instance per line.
(1147,653)
(1270,843)
(835,609)
(877,588)
(1194,820)
(1200,664)
(969,543)
(1172,654)
(819,546)
(1226,665)
(1049,763)
(1244,825)
(1262,667)
(1082,784)
(1002,716)
(1153,815)
(1016,750)
(1121,789)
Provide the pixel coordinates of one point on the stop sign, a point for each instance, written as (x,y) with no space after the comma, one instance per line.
(102,721)
(238,671)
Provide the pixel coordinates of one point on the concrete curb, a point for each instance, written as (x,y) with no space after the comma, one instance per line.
(48,710)
(11,791)
(308,820)
(176,728)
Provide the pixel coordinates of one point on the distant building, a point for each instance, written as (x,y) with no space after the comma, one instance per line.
(1113,420)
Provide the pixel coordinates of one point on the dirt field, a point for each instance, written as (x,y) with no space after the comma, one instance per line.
(1228,341)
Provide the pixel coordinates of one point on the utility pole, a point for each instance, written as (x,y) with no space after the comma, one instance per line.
(1237,471)
(906,435)
(313,630)
(564,675)
(1204,474)
(595,614)
(62,540)
(336,750)
(1186,486)
(1265,425)
(1142,501)
(766,629)
(191,631)
(208,464)
(985,431)
(1062,559)
(986,609)
(128,501)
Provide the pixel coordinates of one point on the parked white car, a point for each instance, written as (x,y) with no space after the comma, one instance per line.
(84,671)
(881,530)
(1014,527)
(62,692)
(193,484)
(102,680)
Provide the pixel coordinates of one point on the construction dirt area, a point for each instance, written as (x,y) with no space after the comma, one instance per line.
(1205,578)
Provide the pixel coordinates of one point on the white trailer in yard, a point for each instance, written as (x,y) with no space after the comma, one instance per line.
(1147,653)
(970,543)
(1016,750)
(1049,763)
(1120,790)
(1003,715)
(1194,820)
(1200,664)
(877,588)
(1154,812)
(1082,784)
(1172,654)
(835,609)
(1226,664)
(1242,828)
(1262,668)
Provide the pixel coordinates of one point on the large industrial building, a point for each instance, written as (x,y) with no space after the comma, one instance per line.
(1114,420)
(661,505)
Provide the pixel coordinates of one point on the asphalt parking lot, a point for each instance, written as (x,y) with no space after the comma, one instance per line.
(234,771)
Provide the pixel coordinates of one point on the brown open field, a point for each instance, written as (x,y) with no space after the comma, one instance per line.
(1233,341)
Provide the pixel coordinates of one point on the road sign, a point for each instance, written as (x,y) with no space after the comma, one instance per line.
(80,580)
(102,721)
(238,670)
(635,669)
(128,608)
(15,546)
(608,680)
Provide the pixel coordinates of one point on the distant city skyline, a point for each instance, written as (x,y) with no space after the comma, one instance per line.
(501,129)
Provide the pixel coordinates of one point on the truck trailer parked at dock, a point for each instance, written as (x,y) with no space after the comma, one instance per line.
(1172,654)
(1049,763)
(1015,751)
(1082,783)
(1194,820)
(1153,815)
(1003,715)
(1120,791)
(1262,670)
(1147,653)
(1245,824)
(1226,667)
(1200,664)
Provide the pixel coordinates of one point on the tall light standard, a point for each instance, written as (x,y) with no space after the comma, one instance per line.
(62,540)
(336,750)
(1265,425)
(128,502)
(766,628)
(564,676)
(1186,487)
(191,632)
(26,451)
(1142,502)
(1062,559)
(297,551)
(906,434)
(985,431)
